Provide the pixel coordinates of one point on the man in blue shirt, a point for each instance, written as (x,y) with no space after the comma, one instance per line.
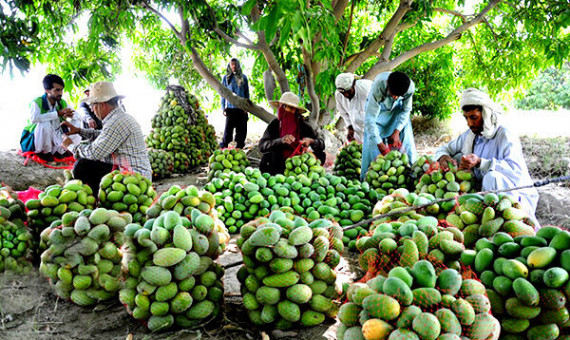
(387,118)
(492,152)
(236,118)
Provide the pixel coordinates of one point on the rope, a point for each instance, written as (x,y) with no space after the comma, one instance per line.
(418,207)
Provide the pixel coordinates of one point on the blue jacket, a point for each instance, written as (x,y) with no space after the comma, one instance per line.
(242,91)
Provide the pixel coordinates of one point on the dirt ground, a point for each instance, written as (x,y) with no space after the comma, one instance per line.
(30,310)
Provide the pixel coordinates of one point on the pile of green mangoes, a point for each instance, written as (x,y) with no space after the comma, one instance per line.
(243,197)
(83,255)
(306,164)
(400,200)
(183,201)
(224,161)
(130,192)
(444,184)
(288,277)
(390,244)
(527,281)
(388,172)
(417,303)
(15,246)
(348,161)
(172,278)
(182,130)
(483,216)
(16,208)
(162,163)
(56,201)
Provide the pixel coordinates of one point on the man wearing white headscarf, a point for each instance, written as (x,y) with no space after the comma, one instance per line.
(492,152)
(350,98)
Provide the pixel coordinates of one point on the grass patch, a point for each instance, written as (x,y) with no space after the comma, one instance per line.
(547,157)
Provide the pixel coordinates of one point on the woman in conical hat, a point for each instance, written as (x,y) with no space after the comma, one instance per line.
(285,134)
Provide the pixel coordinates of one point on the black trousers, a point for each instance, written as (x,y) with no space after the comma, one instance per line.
(235,119)
(90,172)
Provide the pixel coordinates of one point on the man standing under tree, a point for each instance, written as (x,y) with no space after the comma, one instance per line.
(351,98)
(236,118)
(43,133)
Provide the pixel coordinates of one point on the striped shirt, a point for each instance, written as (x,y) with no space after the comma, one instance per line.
(120,142)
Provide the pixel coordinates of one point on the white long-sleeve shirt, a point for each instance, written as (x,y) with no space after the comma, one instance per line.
(353,110)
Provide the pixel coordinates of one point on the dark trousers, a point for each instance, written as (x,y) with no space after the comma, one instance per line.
(235,119)
(90,172)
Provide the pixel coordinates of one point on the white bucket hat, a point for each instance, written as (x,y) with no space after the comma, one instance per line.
(100,92)
(289,99)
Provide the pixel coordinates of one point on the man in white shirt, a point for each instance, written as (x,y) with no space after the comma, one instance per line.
(43,133)
(350,98)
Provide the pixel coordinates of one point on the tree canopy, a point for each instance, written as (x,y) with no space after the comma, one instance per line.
(295,45)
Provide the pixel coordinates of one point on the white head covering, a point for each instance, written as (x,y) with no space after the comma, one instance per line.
(344,81)
(289,99)
(101,92)
(491,113)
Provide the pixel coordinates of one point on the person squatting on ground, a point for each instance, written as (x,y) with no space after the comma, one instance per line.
(350,99)
(286,133)
(43,133)
(492,152)
(236,118)
(387,120)
(119,144)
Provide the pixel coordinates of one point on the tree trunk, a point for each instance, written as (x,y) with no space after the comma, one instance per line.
(269,84)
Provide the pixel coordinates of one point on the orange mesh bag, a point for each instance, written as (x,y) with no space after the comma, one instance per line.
(526,278)
(288,278)
(423,301)
(126,191)
(172,279)
(483,216)
(82,257)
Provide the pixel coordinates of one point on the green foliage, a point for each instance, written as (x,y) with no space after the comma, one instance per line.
(550,90)
(436,85)
(82,40)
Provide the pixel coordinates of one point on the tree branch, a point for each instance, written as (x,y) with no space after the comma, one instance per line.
(347,33)
(157,13)
(315,101)
(269,55)
(389,29)
(233,40)
(339,7)
(380,66)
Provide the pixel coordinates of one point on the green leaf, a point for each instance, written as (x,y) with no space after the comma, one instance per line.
(285,30)
(272,24)
(248,6)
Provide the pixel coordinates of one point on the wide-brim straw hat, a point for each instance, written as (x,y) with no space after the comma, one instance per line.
(101,92)
(289,99)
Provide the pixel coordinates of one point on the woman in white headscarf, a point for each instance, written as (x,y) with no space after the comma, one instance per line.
(492,152)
